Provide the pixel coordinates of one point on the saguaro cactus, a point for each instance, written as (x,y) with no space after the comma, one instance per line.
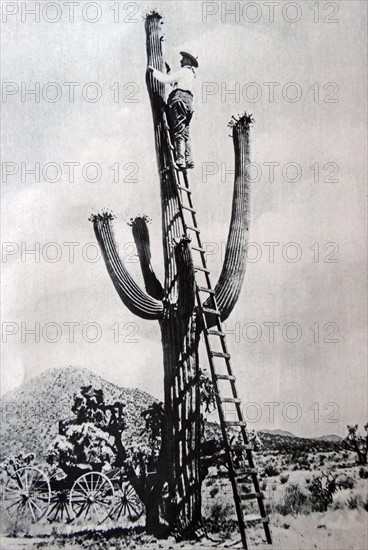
(173,303)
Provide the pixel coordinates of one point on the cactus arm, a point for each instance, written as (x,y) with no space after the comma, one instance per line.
(232,275)
(142,242)
(137,301)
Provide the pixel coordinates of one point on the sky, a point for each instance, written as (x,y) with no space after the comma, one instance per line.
(298,332)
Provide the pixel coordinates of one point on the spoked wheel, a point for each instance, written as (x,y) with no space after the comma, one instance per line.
(59,506)
(27,494)
(92,497)
(127,503)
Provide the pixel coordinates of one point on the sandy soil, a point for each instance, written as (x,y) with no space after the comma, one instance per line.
(333,530)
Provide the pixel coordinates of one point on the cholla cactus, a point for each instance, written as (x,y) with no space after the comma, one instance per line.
(172,303)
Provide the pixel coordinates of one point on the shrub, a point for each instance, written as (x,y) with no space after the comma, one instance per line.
(338,505)
(322,490)
(295,501)
(17,526)
(357,501)
(346,482)
(271,469)
(284,477)
(219,513)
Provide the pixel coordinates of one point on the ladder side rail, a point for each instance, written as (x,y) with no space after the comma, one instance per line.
(218,324)
(232,475)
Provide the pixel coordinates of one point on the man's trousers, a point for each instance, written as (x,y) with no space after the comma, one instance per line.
(181,111)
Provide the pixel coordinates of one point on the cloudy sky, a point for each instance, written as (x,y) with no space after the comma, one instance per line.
(302,73)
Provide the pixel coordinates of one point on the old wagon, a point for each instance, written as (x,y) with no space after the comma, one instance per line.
(93,496)
(91,480)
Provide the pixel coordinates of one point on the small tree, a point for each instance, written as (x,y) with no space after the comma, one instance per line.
(357,443)
(92,440)
(323,489)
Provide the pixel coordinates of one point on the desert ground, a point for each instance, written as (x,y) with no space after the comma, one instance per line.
(294,526)
(289,467)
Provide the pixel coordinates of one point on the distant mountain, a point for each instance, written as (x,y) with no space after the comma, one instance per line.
(284,442)
(30,415)
(279,432)
(31,412)
(330,437)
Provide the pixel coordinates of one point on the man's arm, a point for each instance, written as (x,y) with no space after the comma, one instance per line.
(166,78)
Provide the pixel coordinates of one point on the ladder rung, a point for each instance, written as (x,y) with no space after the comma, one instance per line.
(241,447)
(193,228)
(198,249)
(245,472)
(200,268)
(225,377)
(220,354)
(188,208)
(204,289)
(210,310)
(250,519)
(214,332)
(251,496)
(230,400)
(235,422)
(184,189)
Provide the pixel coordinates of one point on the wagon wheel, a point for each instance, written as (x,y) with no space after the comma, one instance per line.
(128,503)
(92,497)
(27,494)
(59,506)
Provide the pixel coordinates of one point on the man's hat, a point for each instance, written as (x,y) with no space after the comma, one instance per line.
(191,57)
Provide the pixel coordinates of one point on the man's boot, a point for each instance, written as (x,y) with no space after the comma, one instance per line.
(180,152)
(188,154)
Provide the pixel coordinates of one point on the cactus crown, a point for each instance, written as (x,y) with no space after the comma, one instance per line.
(243,120)
(105,215)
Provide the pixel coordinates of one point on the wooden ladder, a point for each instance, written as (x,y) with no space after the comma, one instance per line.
(220,365)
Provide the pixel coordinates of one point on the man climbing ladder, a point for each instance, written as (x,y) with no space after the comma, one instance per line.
(180,103)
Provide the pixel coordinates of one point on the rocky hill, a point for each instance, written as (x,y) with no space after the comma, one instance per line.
(290,444)
(285,442)
(30,413)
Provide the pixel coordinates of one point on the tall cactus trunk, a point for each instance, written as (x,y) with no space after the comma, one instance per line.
(181,439)
(178,327)
(173,305)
